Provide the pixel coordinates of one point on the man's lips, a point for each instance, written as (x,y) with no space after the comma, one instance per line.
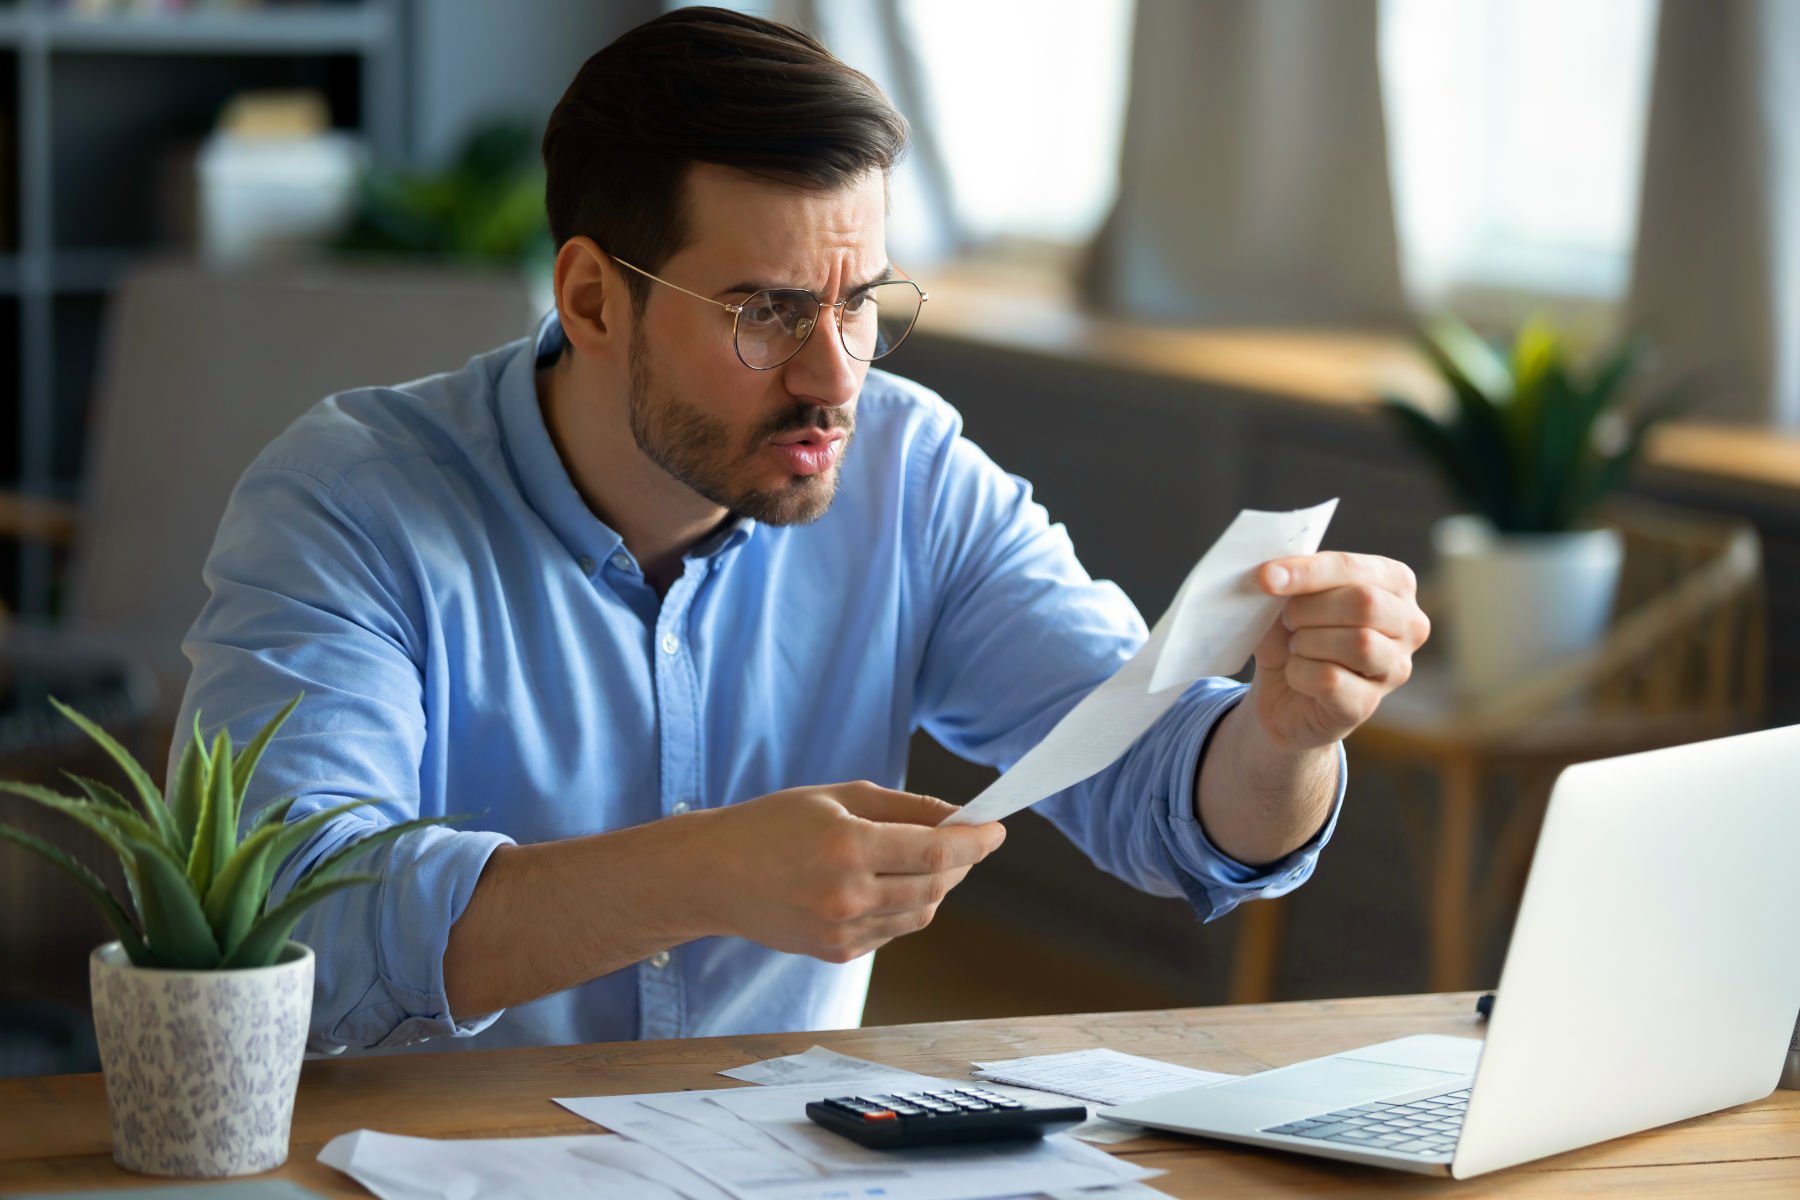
(808,451)
(816,437)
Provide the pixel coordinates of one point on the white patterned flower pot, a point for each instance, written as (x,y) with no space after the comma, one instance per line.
(201,1066)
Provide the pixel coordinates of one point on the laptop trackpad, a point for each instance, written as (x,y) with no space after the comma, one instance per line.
(1340,1082)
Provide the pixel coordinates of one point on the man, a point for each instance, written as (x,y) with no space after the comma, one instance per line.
(642,592)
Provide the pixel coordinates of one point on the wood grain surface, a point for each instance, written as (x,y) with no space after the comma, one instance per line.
(53,1129)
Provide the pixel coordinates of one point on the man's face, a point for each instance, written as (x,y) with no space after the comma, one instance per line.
(767,444)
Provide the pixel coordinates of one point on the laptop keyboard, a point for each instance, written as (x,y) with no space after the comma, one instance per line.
(1426,1126)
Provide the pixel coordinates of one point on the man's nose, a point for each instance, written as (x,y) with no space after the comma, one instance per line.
(823,371)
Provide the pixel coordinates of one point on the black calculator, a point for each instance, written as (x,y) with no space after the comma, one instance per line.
(898,1119)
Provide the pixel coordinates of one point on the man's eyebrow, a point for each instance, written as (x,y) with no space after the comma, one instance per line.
(887,274)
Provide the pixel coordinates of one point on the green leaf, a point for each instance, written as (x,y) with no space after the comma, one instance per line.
(140,778)
(101,793)
(1469,363)
(263,943)
(128,821)
(96,887)
(215,833)
(188,789)
(174,923)
(93,816)
(327,867)
(242,887)
(246,762)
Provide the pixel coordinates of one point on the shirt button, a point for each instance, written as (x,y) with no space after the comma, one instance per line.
(680,807)
(660,959)
(621,560)
(586,564)
(670,644)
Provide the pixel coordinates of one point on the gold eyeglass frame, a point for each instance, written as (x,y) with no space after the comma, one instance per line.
(799,342)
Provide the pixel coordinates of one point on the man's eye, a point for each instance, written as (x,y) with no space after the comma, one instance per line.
(859,303)
(775,310)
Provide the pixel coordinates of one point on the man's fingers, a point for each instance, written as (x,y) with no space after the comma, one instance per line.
(872,802)
(895,894)
(1303,574)
(1358,606)
(1370,654)
(1343,693)
(916,850)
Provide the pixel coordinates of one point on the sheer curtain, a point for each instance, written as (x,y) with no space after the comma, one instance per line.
(1253,182)
(1717,270)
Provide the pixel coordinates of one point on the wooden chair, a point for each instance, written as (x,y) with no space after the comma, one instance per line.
(1685,659)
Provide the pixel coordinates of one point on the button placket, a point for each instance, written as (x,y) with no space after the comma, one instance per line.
(661,990)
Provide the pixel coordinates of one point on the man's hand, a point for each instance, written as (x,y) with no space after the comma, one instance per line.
(1345,639)
(835,871)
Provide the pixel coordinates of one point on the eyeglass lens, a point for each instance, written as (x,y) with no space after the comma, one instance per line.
(773,325)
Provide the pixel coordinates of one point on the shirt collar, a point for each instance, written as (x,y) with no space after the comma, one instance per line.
(544,478)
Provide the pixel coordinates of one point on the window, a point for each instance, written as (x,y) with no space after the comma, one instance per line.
(1027,101)
(1515,132)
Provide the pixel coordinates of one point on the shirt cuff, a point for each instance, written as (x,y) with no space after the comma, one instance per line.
(1214,881)
(426,884)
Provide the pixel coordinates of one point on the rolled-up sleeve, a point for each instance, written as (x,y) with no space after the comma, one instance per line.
(306,597)
(1022,634)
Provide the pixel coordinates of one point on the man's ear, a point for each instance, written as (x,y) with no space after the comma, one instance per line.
(592,300)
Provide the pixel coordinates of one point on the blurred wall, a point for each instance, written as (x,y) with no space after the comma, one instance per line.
(473,60)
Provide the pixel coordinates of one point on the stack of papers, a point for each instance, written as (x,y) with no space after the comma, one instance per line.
(738,1143)
(1102,1076)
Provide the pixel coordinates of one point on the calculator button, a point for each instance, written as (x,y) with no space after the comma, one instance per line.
(881,1115)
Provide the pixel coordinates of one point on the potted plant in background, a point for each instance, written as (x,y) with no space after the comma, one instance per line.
(201,1006)
(1531,444)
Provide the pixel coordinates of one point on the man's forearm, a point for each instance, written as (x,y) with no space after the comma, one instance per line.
(1258,801)
(553,915)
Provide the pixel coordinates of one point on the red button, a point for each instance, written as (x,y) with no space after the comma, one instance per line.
(883,1115)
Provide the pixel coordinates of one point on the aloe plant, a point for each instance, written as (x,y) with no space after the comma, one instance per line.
(1530,442)
(200,893)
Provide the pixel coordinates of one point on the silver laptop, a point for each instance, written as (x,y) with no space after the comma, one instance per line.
(1653,975)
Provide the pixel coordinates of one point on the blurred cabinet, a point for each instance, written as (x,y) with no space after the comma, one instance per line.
(99,118)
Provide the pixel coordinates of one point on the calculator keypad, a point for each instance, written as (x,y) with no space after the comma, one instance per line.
(922,1105)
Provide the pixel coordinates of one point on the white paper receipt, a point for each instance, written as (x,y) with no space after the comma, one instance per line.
(1211,628)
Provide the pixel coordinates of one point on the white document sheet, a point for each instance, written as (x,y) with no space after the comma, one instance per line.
(1101,1076)
(726,1134)
(551,1168)
(1211,628)
(819,1065)
(827,1067)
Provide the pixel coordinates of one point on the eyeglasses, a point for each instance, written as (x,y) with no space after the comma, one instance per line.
(772,325)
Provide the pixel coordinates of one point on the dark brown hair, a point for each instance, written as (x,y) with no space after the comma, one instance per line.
(703,85)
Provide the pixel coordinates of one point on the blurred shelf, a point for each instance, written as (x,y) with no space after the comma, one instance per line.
(74,272)
(324,29)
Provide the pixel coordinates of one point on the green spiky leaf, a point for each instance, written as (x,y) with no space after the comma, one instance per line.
(174,923)
(242,887)
(245,766)
(100,793)
(263,943)
(337,861)
(140,778)
(189,788)
(96,887)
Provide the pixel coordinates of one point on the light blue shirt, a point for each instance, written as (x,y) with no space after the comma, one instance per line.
(472,639)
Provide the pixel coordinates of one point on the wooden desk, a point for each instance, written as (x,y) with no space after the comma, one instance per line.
(53,1132)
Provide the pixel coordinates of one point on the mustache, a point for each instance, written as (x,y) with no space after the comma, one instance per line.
(809,416)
